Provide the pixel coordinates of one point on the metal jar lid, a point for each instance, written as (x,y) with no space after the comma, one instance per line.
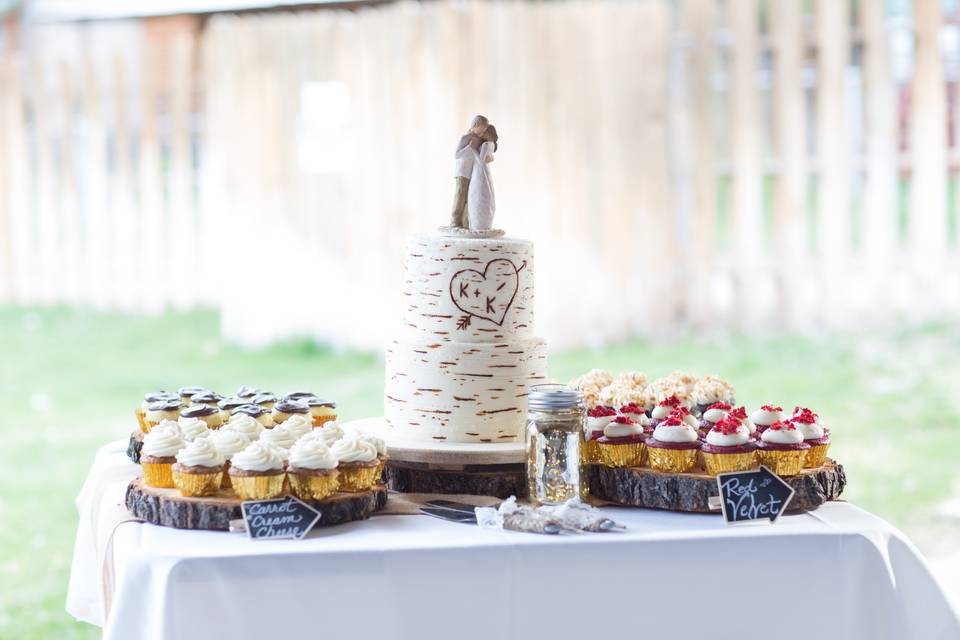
(556,397)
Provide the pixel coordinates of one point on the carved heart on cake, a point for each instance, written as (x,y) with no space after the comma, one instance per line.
(487,294)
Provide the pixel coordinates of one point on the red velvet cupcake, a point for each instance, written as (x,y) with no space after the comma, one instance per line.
(782,449)
(728,447)
(674,446)
(622,444)
(815,434)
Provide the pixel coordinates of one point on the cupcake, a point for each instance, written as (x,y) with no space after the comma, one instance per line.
(321,411)
(622,443)
(634,379)
(740,413)
(255,411)
(265,400)
(328,433)
(674,446)
(209,398)
(149,399)
(378,443)
(663,409)
(256,473)
(199,469)
(279,437)
(684,414)
(633,411)
(766,416)
(186,393)
(159,453)
(210,414)
(728,447)
(286,408)
(244,425)
(193,428)
(227,405)
(228,443)
(621,393)
(298,425)
(814,433)
(247,393)
(782,449)
(597,418)
(313,470)
(358,463)
(299,396)
(714,414)
(168,409)
(711,390)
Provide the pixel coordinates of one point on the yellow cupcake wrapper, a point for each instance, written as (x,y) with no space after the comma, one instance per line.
(225,480)
(590,452)
(158,474)
(258,487)
(147,425)
(816,456)
(197,484)
(319,421)
(782,463)
(308,487)
(356,479)
(717,463)
(141,419)
(672,460)
(623,455)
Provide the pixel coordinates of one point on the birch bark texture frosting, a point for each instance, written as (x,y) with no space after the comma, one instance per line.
(466,354)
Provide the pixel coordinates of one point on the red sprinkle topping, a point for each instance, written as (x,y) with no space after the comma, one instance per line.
(672,420)
(803,415)
(723,406)
(601,412)
(780,425)
(728,426)
(681,411)
(623,420)
(631,408)
(672,401)
(768,407)
(740,413)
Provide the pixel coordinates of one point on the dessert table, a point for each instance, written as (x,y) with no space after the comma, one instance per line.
(836,572)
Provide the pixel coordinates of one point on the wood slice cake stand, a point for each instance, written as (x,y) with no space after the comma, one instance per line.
(168,508)
(134,446)
(644,487)
(487,469)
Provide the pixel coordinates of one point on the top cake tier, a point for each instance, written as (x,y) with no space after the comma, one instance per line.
(468,289)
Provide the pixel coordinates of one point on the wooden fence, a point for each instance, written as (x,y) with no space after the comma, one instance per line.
(696,163)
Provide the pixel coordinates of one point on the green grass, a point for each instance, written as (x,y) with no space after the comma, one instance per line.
(72,378)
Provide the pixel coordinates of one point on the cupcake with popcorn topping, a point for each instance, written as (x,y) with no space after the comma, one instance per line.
(622,443)
(711,390)
(590,384)
(728,447)
(674,446)
(814,433)
(765,416)
(782,449)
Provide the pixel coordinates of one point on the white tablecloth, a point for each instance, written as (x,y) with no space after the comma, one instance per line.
(839,572)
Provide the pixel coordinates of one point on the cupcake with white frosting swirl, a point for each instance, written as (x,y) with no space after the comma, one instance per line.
(358,463)
(280,438)
(622,443)
(193,428)
(712,415)
(159,453)
(814,433)
(256,472)
(766,416)
(328,433)
(313,470)
(728,447)
(228,443)
(674,445)
(246,426)
(297,425)
(782,449)
(199,469)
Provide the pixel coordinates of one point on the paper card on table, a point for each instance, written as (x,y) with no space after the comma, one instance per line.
(753,495)
(278,518)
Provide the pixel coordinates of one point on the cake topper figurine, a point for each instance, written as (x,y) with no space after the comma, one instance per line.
(473,200)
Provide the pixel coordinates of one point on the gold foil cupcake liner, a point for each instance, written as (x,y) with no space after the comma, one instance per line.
(590,453)
(816,456)
(141,420)
(258,487)
(672,460)
(197,484)
(158,474)
(717,463)
(631,454)
(319,421)
(225,481)
(310,487)
(147,425)
(782,463)
(357,479)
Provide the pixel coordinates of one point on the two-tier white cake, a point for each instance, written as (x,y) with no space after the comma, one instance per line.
(466,355)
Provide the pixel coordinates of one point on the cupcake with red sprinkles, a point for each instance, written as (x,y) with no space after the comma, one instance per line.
(622,444)
(597,419)
(740,413)
(634,411)
(663,409)
(728,447)
(814,433)
(782,449)
(766,416)
(674,446)
(714,414)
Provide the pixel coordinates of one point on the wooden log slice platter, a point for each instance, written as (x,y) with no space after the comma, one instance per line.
(499,481)
(643,487)
(168,508)
(135,445)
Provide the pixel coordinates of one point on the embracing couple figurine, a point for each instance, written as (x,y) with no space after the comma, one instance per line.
(473,201)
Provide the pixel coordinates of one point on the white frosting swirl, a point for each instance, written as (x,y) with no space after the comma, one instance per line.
(675,433)
(720,439)
(810,431)
(310,453)
(621,430)
(714,415)
(162,443)
(167,425)
(660,412)
(330,432)
(354,450)
(298,425)
(279,437)
(200,453)
(782,436)
(229,442)
(690,420)
(598,424)
(244,425)
(258,456)
(766,418)
(193,428)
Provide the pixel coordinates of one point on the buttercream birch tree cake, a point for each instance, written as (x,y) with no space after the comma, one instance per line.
(466,355)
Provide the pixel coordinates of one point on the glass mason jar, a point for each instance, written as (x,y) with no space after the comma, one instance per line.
(555,419)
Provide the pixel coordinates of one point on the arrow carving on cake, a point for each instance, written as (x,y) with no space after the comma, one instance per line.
(488,294)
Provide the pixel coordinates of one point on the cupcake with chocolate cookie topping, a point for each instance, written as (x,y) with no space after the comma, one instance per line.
(227,405)
(149,399)
(674,446)
(710,390)
(286,408)
(321,411)
(313,470)
(168,409)
(728,447)
(159,453)
(209,398)
(209,414)
(247,393)
(782,449)
(265,400)
(186,393)
(814,433)
(358,464)
(199,469)
(765,416)
(261,414)
(256,473)
(622,443)
(299,396)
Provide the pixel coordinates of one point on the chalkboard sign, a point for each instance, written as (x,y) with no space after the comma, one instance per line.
(753,495)
(279,518)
